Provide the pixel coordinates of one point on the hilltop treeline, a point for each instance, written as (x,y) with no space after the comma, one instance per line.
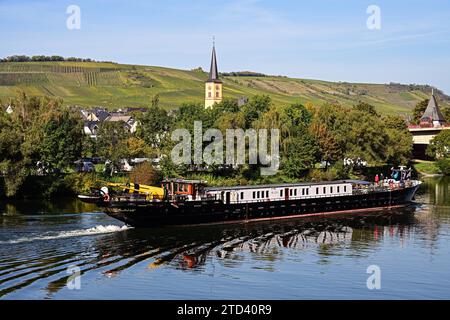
(243,74)
(418,87)
(42,58)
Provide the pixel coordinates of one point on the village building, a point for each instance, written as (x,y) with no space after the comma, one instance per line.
(129,122)
(94,118)
(431,124)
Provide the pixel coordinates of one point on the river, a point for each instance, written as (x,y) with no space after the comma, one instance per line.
(44,244)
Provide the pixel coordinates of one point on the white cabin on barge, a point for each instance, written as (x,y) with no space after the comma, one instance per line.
(280,192)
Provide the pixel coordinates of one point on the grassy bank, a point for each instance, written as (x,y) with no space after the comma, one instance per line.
(426,167)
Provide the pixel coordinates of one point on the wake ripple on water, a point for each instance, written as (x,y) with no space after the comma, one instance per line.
(100,229)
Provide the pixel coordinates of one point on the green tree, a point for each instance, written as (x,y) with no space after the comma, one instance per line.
(112,138)
(144,173)
(302,155)
(256,106)
(31,134)
(446,113)
(419,109)
(395,122)
(330,128)
(329,150)
(439,146)
(154,126)
(360,133)
(298,116)
(230,121)
(444,166)
(137,148)
(365,107)
(298,147)
(225,106)
(188,113)
(399,145)
(62,140)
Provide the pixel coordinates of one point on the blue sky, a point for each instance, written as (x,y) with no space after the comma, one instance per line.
(320,39)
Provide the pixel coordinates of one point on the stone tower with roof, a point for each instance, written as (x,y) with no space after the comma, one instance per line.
(213,86)
(432,115)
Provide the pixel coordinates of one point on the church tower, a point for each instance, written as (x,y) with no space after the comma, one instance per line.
(213,86)
(433,114)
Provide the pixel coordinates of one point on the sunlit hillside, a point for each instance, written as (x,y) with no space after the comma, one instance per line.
(118,85)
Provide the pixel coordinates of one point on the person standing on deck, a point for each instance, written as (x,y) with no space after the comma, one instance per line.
(377,179)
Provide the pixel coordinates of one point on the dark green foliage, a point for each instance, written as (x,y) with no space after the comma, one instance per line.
(444,166)
(62,140)
(360,132)
(112,142)
(419,109)
(39,129)
(254,108)
(302,156)
(365,107)
(154,126)
(42,58)
(439,146)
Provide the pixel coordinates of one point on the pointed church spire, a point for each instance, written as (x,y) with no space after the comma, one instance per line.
(432,112)
(213,86)
(213,71)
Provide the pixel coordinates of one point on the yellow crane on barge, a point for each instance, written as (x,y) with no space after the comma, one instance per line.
(136,188)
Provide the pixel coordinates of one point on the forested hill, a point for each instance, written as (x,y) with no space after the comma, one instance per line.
(118,85)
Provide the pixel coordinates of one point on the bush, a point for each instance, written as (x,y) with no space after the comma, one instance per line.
(144,173)
(341,171)
(320,175)
(444,166)
(82,182)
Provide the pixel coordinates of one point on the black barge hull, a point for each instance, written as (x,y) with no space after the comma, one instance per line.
(152,214)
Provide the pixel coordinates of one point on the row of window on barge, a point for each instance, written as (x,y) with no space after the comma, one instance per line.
(196,190)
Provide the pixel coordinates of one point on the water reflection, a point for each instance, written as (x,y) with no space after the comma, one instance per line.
(435,191)
(27,267)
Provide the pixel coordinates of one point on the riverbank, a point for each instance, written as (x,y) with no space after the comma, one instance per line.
(64,185)
(427,168)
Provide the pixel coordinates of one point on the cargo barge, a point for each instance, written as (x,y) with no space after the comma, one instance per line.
(187,202)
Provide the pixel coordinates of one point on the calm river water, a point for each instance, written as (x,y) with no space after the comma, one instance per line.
(42,243)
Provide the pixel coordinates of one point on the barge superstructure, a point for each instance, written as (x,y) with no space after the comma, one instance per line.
(186,202)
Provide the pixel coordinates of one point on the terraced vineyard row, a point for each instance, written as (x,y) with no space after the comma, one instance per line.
(54,68)
(17,78)
(111,78)
(66,79)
